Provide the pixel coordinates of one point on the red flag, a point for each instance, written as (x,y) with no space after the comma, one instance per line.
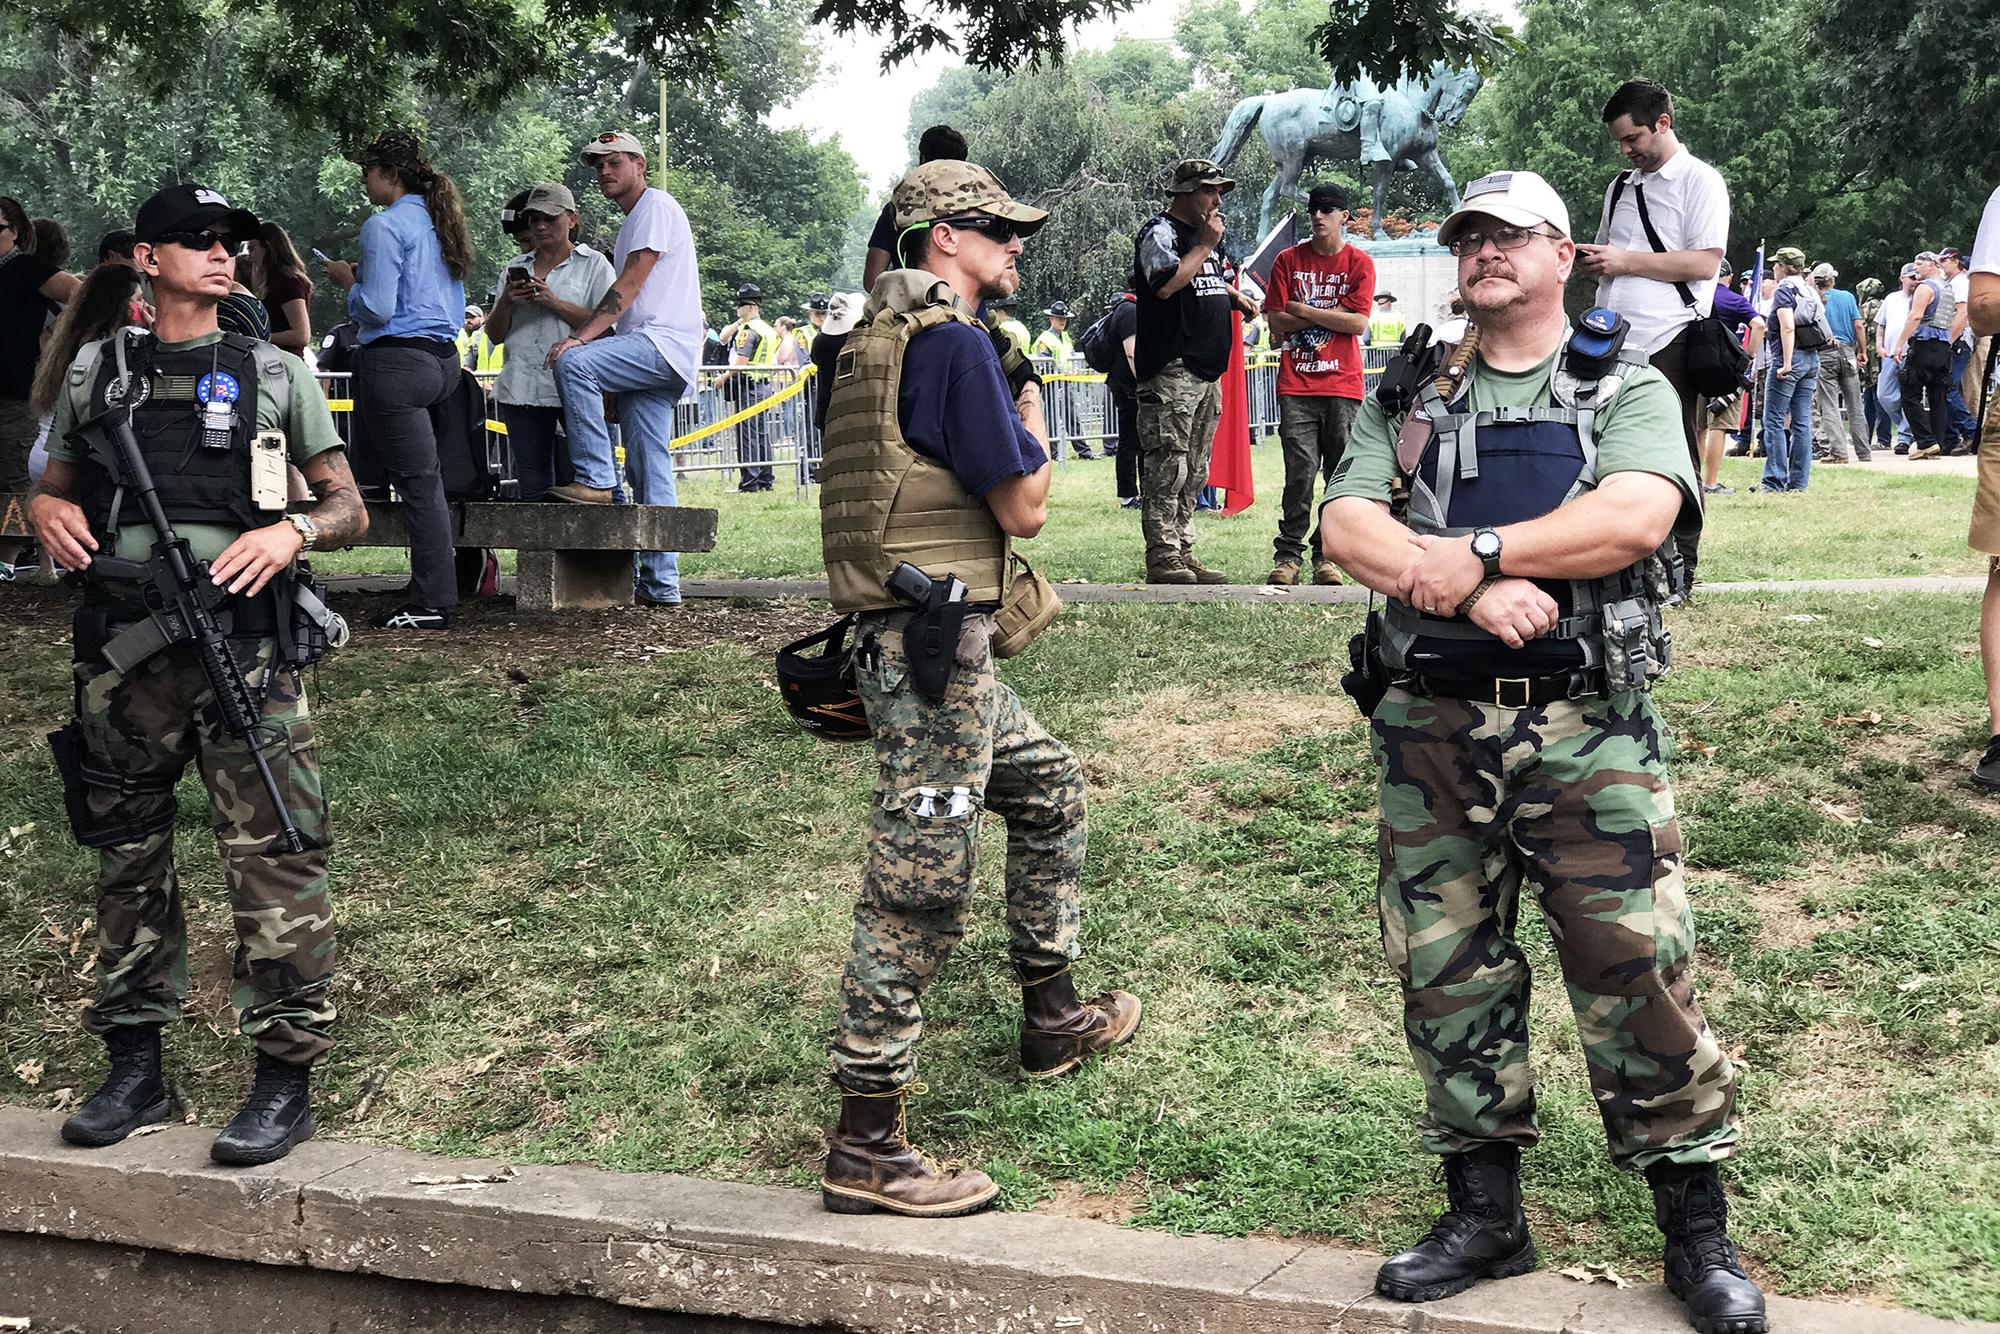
(1229,461)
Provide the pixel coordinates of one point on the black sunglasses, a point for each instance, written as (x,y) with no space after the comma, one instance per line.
(1329,208)
(203,241)
(998,230)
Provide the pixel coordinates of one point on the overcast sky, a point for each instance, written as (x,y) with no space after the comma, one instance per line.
(869,112)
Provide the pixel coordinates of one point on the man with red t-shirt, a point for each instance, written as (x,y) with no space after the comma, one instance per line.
(1318,301)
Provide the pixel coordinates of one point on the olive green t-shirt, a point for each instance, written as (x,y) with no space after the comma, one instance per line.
(1638,431)
(308,428)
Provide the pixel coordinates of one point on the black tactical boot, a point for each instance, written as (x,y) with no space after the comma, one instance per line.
(1702,1267)
(276,1117)
(134,1094)
(1484,1234)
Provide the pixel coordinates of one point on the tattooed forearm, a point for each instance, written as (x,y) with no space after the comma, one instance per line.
(613,302)
(340,516)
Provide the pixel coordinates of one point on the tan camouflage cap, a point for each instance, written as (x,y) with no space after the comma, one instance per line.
(946,189)
(1194,172)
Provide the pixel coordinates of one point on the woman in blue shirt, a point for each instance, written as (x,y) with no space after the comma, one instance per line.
(408,296)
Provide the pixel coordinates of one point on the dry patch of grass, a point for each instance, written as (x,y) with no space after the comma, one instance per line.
(1181,727)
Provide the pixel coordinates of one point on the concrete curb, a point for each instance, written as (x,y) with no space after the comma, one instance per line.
(670,1243)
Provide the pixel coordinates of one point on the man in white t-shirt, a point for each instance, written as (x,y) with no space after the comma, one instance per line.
(1892,427)
(654,306)
(1664,281)
(1983,298)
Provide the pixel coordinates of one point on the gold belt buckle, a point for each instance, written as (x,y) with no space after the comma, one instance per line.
(1500,685)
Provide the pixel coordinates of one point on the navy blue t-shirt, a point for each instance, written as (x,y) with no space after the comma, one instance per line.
(954,407)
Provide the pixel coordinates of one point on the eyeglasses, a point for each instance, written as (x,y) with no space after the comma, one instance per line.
(1503,237)
(1329,208)
(998,230)
(203,241)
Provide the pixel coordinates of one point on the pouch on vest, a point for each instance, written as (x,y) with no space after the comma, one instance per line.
(1367,680)
(1028,609)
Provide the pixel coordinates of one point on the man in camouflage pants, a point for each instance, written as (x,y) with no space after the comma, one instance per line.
(1517,744)
(1181,281)
(198,404)
(935,460)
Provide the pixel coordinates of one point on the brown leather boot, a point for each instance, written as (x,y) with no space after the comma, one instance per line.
(1058,1030)
(1168,570)
(1202,574)
(870,1166)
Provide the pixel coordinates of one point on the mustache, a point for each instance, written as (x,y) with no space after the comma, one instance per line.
(1497,269)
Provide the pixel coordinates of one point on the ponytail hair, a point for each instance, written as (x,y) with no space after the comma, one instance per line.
(447,210)
(447,207)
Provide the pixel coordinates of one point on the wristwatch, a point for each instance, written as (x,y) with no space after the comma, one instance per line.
(1486,546)
(308,531)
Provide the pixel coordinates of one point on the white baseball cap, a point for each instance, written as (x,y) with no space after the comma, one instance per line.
(1520,197)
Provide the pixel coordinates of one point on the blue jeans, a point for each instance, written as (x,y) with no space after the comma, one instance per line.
(1963,425)
(1890,425)
(531,439)
(1788,452)
(629,366)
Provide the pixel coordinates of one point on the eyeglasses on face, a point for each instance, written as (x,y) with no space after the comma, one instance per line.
(1504,237)
(203,241)
(1328,208)
(998,230)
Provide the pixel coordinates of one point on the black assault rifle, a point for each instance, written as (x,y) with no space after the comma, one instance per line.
(183,602)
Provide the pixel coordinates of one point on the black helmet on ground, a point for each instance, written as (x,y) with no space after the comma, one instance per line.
(818,686)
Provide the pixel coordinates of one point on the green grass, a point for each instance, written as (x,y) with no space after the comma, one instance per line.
(596,915)
(1851,524)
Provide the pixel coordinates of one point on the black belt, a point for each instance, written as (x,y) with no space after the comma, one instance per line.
(240,617)
(1510,692)
(437,347)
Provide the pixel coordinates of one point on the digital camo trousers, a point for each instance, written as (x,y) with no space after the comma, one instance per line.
(1177,419)
(940,768)
(1573,797)
(145,728)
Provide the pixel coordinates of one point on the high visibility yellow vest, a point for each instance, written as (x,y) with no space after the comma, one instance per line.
(1019,333)
(880,501)
(1052,344)
(486,355)
(1386,329)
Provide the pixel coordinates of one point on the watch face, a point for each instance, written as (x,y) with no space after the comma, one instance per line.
(1486,543)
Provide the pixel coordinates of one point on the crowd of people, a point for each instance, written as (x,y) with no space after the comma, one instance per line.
(1527,501)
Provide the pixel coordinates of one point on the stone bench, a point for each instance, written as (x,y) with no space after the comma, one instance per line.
(569,555)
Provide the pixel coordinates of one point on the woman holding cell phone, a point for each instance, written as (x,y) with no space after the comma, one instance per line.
(544,294)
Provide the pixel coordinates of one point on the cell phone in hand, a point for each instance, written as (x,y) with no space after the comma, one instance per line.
(321,255)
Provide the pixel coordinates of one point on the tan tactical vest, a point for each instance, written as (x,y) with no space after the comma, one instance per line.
(880,501)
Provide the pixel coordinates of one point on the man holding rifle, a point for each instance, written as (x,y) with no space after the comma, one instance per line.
(165,490)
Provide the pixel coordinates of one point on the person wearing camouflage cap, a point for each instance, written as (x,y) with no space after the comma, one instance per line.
(932,459)
(1185,299)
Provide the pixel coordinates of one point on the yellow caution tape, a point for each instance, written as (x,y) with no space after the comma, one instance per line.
(792,390)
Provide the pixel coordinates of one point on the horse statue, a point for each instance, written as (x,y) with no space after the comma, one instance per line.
(1382,129)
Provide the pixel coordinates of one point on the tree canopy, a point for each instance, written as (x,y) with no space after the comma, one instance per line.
(339,64)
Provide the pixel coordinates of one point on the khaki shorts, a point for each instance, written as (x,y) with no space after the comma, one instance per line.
(1985,535)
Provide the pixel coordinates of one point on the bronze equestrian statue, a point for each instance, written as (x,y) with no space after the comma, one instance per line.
(1382,129)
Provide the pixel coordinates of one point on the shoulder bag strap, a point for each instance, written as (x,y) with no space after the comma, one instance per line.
(1653,237)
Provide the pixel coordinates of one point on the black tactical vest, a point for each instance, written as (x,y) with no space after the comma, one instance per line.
(200,460)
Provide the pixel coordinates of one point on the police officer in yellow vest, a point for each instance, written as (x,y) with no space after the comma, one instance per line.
(1054,341)
(1386,326)
(933,465)
(1006,314)
(816,307)
(476,351)
(751,342)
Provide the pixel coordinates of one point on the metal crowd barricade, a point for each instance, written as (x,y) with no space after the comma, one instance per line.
(761,417)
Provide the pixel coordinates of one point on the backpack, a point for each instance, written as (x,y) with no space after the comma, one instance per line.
(1099,350)
(473,463)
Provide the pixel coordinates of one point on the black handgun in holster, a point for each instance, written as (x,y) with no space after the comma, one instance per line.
(930,639)
(1368,680)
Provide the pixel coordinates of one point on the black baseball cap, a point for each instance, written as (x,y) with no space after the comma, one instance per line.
(1327,196)
(192,208)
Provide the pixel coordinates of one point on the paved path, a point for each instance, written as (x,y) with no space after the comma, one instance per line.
(1264,593)
(653,1242)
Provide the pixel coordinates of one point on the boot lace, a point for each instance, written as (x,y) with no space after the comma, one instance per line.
(1471,1207)
(268,1092)
(916,1088)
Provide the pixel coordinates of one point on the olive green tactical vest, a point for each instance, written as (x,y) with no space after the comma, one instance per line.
(880,501)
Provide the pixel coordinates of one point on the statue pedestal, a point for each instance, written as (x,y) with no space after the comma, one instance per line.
(1419,271)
